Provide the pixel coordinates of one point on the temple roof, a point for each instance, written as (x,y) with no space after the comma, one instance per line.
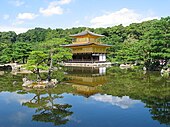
(85,33)
(85,44)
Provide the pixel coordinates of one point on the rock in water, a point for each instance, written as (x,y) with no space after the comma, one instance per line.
(24,79)
(26,83)
(54,81)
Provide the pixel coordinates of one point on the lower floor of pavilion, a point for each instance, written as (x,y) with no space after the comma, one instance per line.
(88,58)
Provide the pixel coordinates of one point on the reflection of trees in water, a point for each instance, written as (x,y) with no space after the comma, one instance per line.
(9,82)
(150,88)
(47,110)
(159,108)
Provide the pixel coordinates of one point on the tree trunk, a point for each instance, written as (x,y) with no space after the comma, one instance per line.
(38,74)
(51,66)
(23,60)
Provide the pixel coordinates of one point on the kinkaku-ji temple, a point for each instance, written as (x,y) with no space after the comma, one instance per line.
(87,48)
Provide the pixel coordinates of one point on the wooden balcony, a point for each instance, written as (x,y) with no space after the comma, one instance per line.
(89,50)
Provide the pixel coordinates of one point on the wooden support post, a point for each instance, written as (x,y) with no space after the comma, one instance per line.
(82,58)
(92,58)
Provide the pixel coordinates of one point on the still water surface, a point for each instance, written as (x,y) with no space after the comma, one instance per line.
(89,97)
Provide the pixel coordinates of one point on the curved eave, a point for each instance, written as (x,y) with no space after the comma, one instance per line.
(86,33)
(86,44)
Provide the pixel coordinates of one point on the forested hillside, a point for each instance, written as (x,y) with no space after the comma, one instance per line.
(147,42)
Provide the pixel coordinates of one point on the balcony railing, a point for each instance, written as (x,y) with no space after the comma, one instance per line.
(84,61)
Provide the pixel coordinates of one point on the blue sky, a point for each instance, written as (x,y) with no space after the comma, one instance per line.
(21,15)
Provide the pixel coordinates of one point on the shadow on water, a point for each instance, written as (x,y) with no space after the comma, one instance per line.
(150,88)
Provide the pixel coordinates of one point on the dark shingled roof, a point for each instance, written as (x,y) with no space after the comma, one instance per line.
(84,44)
(85,33)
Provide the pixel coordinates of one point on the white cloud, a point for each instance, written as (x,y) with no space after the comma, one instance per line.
(123,102)
(17,30)
(29,16)
(61,2)
(54,8)
(51,10)
(5,17)
(124,16)
(17,2)
(17,22)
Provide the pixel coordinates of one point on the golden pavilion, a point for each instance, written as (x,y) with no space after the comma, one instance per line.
(87,48)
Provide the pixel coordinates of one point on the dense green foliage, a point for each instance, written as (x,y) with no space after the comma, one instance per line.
(147,42)
(15,52)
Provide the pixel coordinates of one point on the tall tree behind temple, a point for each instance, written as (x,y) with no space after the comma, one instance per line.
(147,41)
(8,37)
(17,52)
(33,35)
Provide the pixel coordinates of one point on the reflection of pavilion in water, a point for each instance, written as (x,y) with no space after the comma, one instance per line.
(86,80)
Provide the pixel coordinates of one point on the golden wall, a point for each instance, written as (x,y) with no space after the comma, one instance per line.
(86,39)
(88,49)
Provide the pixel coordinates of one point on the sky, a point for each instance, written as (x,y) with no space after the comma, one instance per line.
(21,15)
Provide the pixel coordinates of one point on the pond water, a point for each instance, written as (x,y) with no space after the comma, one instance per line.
(88,97)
